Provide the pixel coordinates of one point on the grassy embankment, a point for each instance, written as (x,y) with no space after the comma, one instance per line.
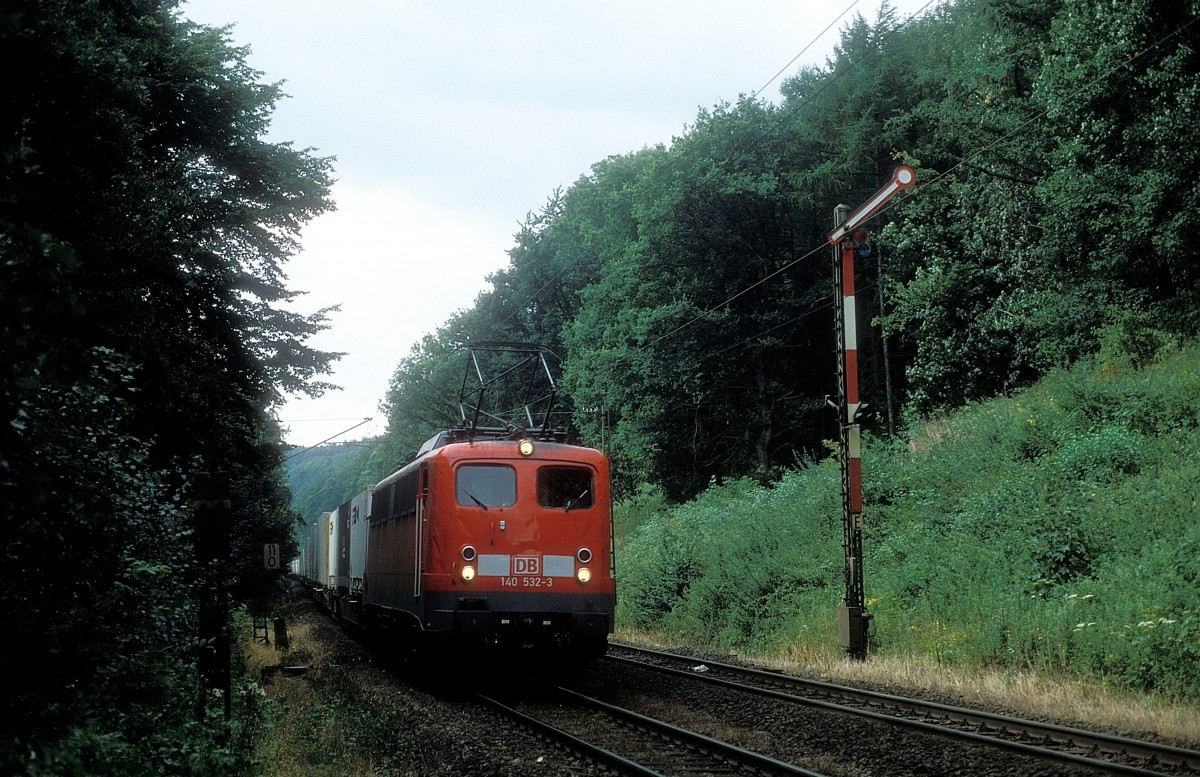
(328,720)
(1042,550)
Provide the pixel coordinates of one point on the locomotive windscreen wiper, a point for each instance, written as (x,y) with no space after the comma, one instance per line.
(572,502)
(473,498)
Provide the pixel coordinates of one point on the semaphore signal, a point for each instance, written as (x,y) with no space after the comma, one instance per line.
(849,240)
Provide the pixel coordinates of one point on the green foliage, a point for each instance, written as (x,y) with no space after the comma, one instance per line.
(1104,456)
(743,564)
(659,344)
(1055,528)
(1131,342)
(1118,84)
(1047,524)
(630,514)
(103,678)
(143,227)
(168,738)
(1046,217)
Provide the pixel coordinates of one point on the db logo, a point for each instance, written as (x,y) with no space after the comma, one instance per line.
(527,565)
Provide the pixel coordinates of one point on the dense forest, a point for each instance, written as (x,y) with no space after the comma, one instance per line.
(144,223)
(685,287)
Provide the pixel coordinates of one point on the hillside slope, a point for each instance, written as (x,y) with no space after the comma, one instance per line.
(1054,529)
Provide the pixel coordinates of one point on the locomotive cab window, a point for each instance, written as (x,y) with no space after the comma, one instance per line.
(486,485)
(569,488)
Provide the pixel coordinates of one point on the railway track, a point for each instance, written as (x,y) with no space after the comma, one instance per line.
(1098,752)
(635,744)
(664,714)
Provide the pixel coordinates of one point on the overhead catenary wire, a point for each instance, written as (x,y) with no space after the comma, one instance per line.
(811,43)
(786,117)
(328,439)
(821,304)
(317,420)
(323,494)
(849,66)
(556,276)
(837,75)
(720,305)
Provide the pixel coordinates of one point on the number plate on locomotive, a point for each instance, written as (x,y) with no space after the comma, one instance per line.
(527,582)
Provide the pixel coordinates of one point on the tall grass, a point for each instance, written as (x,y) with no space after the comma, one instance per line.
(1056,529)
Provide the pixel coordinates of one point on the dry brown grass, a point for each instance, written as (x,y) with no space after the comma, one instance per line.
(258,656)
(305,735)
(1071,700)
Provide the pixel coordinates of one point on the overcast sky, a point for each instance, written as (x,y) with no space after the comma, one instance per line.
(452,120)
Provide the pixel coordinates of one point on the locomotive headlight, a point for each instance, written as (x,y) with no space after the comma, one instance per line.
(583,574)
(468,573)
(525,447)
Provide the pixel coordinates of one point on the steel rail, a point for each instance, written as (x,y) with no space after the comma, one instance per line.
(667,732)
(1060,734)
(693,738)
(556,734)
(1066,735)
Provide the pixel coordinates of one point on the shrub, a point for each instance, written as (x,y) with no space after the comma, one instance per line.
(1103,456)
(1131,342)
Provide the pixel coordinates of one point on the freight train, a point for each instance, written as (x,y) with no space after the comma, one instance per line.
(490,541)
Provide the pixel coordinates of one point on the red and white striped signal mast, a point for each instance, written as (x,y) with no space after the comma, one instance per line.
(849,240)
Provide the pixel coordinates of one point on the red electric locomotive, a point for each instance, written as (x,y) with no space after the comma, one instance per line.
(490,541)
(493,539)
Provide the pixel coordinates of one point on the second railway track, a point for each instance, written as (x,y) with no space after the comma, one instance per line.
(632,743)
(1076,750)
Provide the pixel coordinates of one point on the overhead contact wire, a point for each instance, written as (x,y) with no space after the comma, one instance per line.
(811,43)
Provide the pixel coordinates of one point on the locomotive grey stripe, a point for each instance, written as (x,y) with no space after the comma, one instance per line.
(545,566)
